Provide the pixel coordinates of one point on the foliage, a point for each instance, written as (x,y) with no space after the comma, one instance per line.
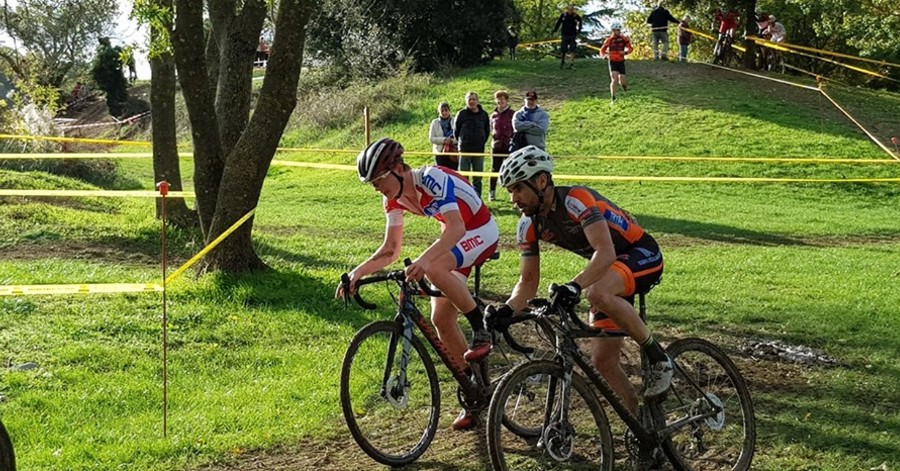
(537,17)
(106,70)
(371,39)
(57,35)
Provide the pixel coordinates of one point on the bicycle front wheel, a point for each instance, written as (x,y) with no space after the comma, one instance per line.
(531,396)
(710,407)
(391,401)
(7,458)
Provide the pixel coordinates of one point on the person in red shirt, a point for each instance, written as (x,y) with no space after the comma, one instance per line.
(616,47)
(728,23)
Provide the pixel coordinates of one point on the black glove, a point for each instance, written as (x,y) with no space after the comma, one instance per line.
(569,294)
(498,312)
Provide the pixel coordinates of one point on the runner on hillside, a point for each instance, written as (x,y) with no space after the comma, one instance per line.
(616,47)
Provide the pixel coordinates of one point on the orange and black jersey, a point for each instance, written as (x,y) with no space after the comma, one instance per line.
(575,208)
(617,46)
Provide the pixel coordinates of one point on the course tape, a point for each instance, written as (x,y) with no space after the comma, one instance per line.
(72,139)
(537,43)
(712,38)
(871,136)
(208,248)
(783,48)
(98,288)
(128,120)
(831,53)
(97,193)
(633,178)
(773,79)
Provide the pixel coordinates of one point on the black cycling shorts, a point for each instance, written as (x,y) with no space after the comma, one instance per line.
(568,44)
(617,66)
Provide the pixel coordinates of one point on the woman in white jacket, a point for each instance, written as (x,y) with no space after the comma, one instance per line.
(441,137)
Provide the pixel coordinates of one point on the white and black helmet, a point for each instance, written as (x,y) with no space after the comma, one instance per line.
(379,158)
(524,164)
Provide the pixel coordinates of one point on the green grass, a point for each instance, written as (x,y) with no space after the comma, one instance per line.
(254,360)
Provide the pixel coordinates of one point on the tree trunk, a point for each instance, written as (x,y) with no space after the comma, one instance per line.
(749,46)
(233,151)
(249,161)
(165,148)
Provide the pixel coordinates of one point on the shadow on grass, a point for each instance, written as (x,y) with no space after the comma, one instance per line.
(714,232)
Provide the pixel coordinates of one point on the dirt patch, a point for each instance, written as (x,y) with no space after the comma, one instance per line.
(80,251)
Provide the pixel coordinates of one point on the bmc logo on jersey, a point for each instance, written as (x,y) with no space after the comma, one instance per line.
(471,243)
(429,182)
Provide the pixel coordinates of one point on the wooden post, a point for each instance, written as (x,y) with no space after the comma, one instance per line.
(368,126)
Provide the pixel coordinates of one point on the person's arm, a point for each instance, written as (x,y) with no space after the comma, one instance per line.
(384,256)
(627,50)
(487,126)
(604,48)
(671,19)
(455,124)
(604,254)
(519,124)
(436,136)
(527,286)
(543,122)
(558,23)
(453,232)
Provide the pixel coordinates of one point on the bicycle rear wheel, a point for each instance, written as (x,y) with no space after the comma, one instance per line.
(722,433)
(392,420)
(7,457)
(526,395)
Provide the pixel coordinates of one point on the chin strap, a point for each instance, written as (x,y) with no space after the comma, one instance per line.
(538,218)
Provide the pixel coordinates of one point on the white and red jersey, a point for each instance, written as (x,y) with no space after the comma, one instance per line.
(440,190)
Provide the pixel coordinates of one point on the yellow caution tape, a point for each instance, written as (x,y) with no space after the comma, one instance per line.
(99,288)
(208,248)
(712,38)
(73,139)
(325,151)
(290,163)
(97,193)
(783,48)
(764,77)
(84,155)
(537,43)
(831,53)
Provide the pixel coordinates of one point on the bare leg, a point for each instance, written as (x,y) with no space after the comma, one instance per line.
(605,355)
(445,311)
(613,78)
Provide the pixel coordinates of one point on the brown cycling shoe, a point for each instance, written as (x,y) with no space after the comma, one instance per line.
(481,346)
(464,421)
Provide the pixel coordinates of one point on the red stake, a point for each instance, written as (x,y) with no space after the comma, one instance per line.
(163,187)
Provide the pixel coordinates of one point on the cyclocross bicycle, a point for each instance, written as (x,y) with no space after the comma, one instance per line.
(704,422)
(724,53)
(7,458)
(390,395)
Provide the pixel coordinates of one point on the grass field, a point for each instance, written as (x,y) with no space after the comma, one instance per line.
(254,360)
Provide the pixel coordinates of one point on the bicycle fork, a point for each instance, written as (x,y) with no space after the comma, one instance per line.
(558,434)
(395,389)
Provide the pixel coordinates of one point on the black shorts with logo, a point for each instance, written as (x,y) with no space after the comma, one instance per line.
(617,66)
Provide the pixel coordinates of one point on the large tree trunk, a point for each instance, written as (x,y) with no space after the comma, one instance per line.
(165,148)
(249,161)
(231,153)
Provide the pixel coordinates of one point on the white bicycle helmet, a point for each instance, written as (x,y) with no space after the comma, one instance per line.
(524,164)
(616,26)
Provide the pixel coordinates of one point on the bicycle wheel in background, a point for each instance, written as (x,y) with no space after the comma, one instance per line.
(7,458)
(522,397)
(723,441)
(392,422)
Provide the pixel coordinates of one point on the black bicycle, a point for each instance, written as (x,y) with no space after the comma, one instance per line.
(7,457)
(703,422)
(390,394)
(724,53)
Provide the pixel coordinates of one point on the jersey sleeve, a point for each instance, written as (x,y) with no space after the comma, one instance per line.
(582,207)
(526,238)
(440,187)
(394,212)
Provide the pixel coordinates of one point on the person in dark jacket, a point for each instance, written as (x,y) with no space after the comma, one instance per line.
(684,38)
(502,129)
(571,28)
(512,41)
(473,128)
(658,21)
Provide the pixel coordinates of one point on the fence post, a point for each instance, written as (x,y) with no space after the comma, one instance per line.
(368,126)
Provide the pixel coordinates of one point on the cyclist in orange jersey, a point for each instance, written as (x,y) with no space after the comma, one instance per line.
(616,47)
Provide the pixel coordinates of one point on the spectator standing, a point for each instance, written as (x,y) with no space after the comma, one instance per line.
(502,131)
(533,121)
(473,128)
(775,30)
(262,52)
(442,139)
(684,38)
(571,28)
(512,41)
(658,21)
(616,47)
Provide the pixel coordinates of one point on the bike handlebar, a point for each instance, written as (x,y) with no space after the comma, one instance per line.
(397,275)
